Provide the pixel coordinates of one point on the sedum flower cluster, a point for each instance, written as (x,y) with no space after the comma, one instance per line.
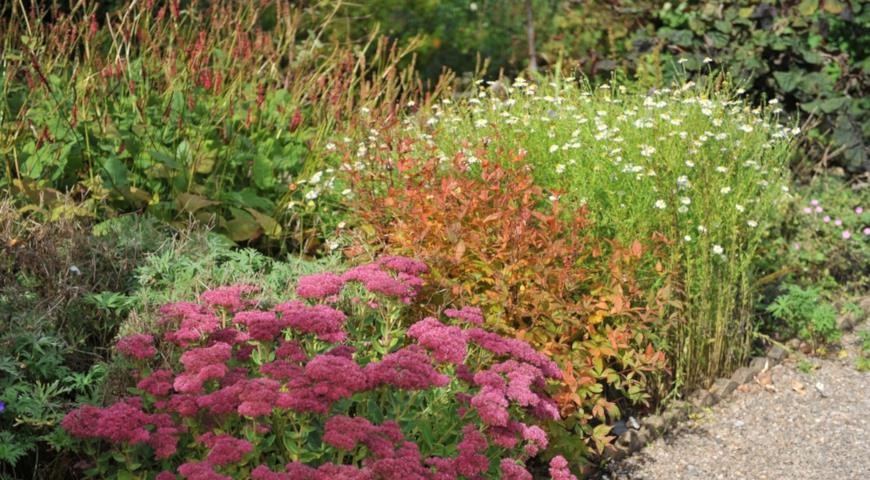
(231,388)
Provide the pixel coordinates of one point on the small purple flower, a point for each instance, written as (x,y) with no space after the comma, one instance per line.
(808,210)
(827,219)
(847,234)
(838,222)
(819,209)
(3,405)
(866,232)
(814,202)
(859,210)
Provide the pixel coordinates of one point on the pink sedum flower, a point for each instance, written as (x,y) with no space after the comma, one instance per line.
(559,469)
(139,346)
(320,285)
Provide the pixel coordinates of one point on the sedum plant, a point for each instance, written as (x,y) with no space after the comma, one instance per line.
(329,386)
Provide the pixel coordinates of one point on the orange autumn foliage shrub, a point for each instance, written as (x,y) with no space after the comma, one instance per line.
(494,239)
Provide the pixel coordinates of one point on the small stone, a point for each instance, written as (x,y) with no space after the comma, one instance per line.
(743,375)
(777,354)
(702,398)
(630,440)
(793,344)
(644,436)
(655,423)
(673,416)
(723,387)
(864,303)
(614,453)
(632,423)
(619,427)
(847,321)
(739,423)
(758,364)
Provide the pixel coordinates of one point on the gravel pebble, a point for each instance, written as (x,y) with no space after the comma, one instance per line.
(798,426)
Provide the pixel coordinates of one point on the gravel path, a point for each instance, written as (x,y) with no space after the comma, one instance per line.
(786,425)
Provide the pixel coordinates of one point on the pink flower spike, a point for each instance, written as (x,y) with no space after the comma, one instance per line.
(827,219)
(847,234)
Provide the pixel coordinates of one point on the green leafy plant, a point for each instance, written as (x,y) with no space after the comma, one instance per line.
(36,387)
(806,315)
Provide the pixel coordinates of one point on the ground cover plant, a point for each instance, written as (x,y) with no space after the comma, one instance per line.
(691,165)
(216,111)
(332,384)
(806,315)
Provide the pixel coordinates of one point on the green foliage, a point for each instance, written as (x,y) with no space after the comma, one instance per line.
(691,166)
(36,387)
(806,315)
(810,55)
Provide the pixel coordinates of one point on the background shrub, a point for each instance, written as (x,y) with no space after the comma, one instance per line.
(811,55)
(824,240)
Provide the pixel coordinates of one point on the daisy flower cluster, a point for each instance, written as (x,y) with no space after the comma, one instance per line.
(231,388)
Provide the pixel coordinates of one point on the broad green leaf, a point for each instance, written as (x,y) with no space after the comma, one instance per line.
(787,81)
(808,7)
(270,227)
(116,171)
(242,229)
(189,202)
(834,6)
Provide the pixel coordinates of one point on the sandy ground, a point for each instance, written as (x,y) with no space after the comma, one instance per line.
(787,424)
